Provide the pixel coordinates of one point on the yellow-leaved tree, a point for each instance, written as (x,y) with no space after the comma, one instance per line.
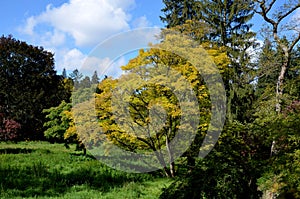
(160,107)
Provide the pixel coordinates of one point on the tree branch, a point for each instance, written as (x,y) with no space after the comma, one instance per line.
(265,11)
(297,39)
(270,6)
(280,18)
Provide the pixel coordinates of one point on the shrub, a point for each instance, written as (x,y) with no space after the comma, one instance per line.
(9,128)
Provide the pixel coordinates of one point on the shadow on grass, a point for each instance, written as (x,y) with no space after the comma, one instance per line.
(15,150)
(23,151)
(87,156)
(38,180)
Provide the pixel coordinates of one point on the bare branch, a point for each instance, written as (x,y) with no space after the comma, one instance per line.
(270,6)
(264,11)
(297,39)
(280,18)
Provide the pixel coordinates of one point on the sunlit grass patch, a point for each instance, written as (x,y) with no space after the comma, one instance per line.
(43,170)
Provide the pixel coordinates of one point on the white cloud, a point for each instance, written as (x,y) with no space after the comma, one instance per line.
(70,59)
(30,24)
(55,38)
(104,66)
(141,22)
(74,59)
(94,63)
(71,29)
(87,21)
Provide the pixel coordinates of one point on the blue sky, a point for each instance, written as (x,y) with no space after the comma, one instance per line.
(72,28)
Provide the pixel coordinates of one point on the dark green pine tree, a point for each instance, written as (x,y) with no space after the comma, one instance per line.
(178,11)
(293,75)
(268,70)
(76,77)
(85,82)
(229,21)
(95,78)
(64,73)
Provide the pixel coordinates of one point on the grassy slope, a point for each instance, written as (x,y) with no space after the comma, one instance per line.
(42,170)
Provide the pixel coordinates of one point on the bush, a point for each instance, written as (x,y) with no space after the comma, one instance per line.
(8,128)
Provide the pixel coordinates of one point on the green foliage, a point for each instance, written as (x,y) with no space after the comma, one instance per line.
(58,122)
(292,85)
(61,126)
(229,171)
(178,12)
(230,27)
(268,68)
(283,171)
(83,94)
(228,19)
(242,164)
(147,129)
(38,169)
(28,84)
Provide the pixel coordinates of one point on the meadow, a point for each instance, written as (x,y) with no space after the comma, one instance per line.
(44,170)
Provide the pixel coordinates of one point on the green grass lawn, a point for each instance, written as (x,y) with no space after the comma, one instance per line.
(43,170)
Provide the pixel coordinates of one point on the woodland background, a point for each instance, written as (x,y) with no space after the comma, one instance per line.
(257,154)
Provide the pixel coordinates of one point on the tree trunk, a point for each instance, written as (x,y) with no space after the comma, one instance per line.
(162,162)
(280,80)
(268,195)
(172,169)
(279,88)
(191,163)
(172,164)
(167,172)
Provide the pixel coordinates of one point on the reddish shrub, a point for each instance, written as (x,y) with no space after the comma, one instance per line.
(8,128)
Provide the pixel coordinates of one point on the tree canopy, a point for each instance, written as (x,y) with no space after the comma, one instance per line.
(161,112)
(28,84)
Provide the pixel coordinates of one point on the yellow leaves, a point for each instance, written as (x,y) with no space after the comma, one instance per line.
(218,55)
(144,106)
(195,30)
(107,85)
(70,132)
(68,114)
(142,59)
